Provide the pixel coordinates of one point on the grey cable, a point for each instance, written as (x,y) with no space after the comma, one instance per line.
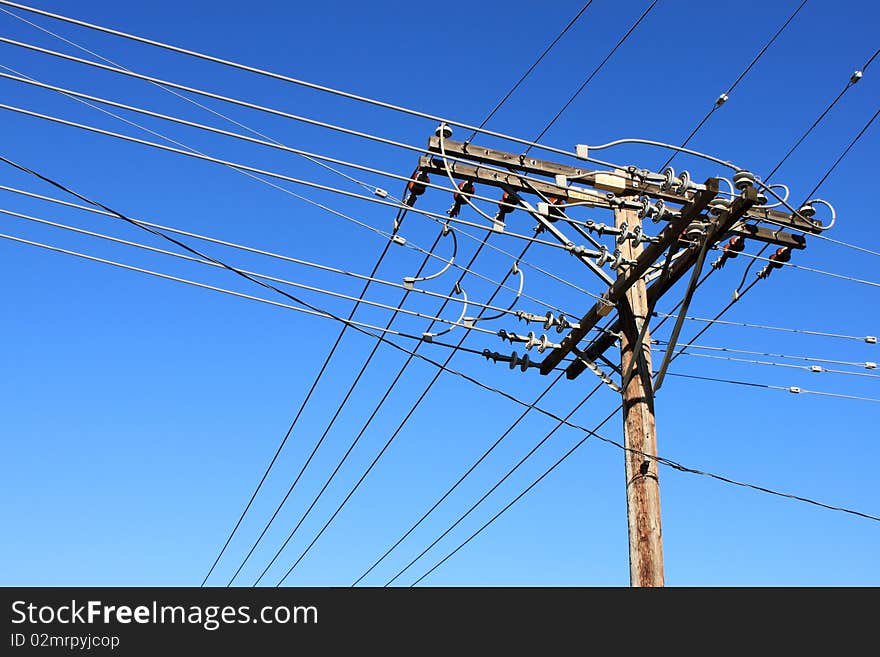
(269,254)
(280,77)
(314,185)
(792,389)
(262,276)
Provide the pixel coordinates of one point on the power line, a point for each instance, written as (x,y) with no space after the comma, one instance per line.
(88,99)
(241,295)
(375,460)
(342,192)
(327,429)
(672,464)
(844,153)
(809,368)
(593,74)
(266,277)
(531,68)
(792,389)
(233,101)
(853,79)
(849,84)
(723,98)
(270,254)
(437,218)
(313,160)
(812,359)
(279,76)
(510,472)
(867,338)
(206,286)
(813,270)
(464,476)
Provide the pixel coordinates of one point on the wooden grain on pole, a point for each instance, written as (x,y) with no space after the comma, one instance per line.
(639,430)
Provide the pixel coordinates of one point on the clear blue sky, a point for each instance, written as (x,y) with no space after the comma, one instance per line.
(138,414)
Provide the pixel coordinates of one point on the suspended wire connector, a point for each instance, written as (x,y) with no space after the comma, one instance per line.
(729,251)
(855,77)
(783,254)
(416,186)
(513,359)
(723,98)
(381,193)
(458,199)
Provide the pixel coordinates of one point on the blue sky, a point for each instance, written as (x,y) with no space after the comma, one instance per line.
(138,414)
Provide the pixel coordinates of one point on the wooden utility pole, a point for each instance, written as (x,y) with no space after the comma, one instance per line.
(673,203)
(639,428)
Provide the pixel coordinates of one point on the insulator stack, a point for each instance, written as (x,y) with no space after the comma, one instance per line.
(416,186)
(782,255)
(505,206)
(465,187)
(730,250)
